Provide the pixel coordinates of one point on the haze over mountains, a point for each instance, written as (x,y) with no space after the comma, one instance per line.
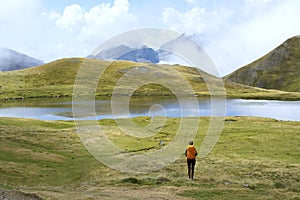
(13,60)
(143,53)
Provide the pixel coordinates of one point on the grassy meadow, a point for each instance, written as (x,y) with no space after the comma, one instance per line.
(255,158)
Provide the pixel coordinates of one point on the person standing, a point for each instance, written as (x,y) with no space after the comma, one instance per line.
(191,154)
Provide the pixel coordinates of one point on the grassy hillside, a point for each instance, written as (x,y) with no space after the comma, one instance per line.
(248,162)
(56,79)
(279,69)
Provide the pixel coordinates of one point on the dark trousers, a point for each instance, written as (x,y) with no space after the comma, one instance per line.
(191,165)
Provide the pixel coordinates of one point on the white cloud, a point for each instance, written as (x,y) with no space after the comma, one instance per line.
(52,15)
(190,1)
(190,22)
(194,20)
(257,3)
(20,23)
(72,18)
(233,35)
(12,9)
(256,35)
(98,23)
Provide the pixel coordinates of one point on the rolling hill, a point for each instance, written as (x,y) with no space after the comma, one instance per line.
(279,69)
(56,80)
(13,60)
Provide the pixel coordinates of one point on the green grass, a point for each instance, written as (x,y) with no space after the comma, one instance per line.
(255,158)
(56,80)
(279,69)
(35,152)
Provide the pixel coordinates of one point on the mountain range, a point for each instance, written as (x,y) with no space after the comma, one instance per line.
(13,60)
(123,52)
(141,54)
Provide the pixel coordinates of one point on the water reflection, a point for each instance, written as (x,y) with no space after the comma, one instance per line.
(168,106)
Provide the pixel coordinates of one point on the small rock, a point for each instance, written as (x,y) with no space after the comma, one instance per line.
(226,183)
(249,186)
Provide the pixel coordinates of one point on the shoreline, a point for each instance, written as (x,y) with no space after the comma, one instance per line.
(294,97)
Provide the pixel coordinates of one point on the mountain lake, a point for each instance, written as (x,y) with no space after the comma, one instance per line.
(150,106)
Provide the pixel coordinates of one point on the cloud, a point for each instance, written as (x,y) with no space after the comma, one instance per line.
(72,18)
(261,31)
(194,20)
(98,23)
(235,35)
(37,28)
(20,24)
(190,1)
(12,9)
(191,21)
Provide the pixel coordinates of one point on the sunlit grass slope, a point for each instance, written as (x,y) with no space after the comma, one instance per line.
(56,79)
(279,69)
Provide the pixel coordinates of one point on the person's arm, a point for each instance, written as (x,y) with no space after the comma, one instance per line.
(185,153)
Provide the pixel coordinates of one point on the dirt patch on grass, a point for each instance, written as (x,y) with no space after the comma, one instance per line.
(17,195)
(111,193)
(142,193)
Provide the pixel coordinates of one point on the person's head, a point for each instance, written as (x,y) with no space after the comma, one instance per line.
(191,142)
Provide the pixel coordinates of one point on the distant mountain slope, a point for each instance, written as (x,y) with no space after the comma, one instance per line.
(123,52)
(279,69)
(141,54)
(144,54)
(112,53)
(13,60)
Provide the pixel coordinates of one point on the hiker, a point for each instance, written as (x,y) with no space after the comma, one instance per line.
(191,154)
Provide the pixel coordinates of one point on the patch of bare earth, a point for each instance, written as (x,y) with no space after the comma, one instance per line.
(111,193)
(17,195)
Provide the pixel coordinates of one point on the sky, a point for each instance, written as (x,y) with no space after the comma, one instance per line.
(232,32)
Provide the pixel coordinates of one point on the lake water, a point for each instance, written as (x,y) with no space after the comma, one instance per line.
(62,110)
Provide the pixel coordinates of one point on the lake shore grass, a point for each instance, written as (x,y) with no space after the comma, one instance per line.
(255,158)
